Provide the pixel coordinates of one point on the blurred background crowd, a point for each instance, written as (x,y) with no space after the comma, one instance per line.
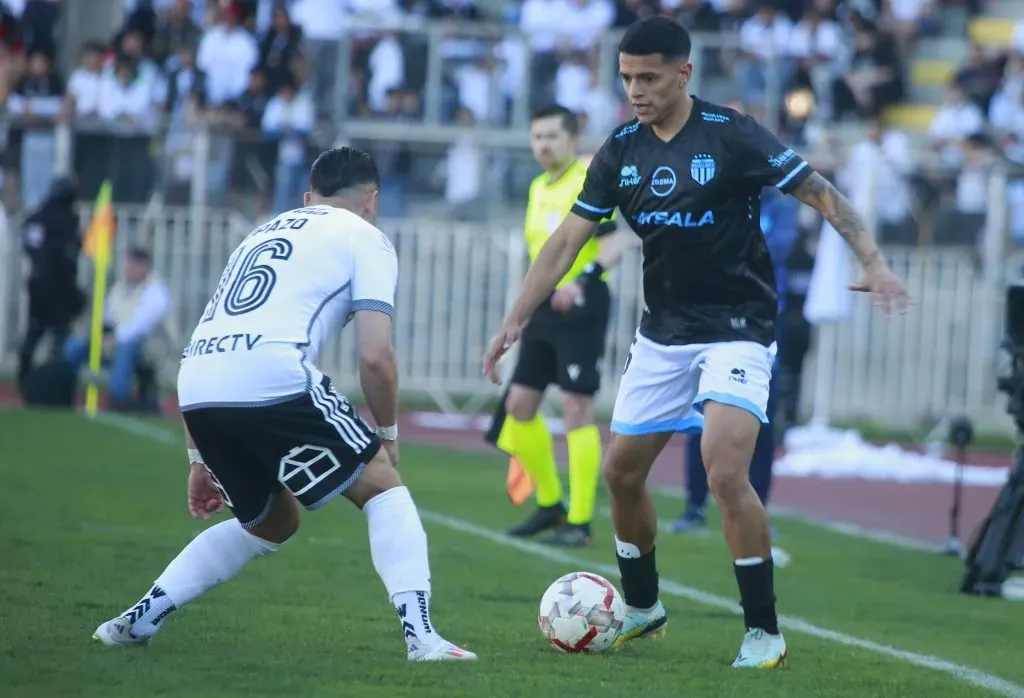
(228,100)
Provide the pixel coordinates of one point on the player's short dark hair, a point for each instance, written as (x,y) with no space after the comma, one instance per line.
(570,122)
(655,35)
(342,168)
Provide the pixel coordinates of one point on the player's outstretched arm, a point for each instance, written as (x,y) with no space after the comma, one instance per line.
(821,195)
(552,263)
(378,371)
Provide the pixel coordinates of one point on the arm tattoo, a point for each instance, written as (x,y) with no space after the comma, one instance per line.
(818,193)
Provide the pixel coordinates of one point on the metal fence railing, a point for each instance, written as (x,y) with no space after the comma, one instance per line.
(457,280)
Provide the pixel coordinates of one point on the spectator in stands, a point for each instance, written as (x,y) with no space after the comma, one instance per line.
(226,54)
(816,43)
(629,11)
(137,328)
(463,171)
(126,98)
(394,159)
(695,15)
(186,88)
(953,123)
(175,28)
(289,120)
(84,85)
(323,24)
(183,109)
(38,25)
(764,45)
(387,70)
(1006,110)
(279,47)
(133,46)
(877,180)
(37,101)
(978,78)
(874,80)
(966,223)
(908,18)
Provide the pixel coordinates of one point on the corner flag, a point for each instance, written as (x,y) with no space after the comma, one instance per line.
(97,245)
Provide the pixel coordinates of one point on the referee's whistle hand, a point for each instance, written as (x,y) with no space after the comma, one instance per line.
(501,343)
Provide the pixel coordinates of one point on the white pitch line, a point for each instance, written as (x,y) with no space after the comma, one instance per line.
(969,675)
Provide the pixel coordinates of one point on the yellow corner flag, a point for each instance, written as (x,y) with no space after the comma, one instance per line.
(97,245)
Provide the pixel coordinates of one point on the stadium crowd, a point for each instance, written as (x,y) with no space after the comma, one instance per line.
(263,75)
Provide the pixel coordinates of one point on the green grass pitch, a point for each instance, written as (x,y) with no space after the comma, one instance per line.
(90,514)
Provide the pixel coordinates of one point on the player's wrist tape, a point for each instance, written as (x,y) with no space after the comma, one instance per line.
(194,457)
(388,433)
(592,272)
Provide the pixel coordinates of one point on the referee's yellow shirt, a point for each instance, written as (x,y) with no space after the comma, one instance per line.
(548,204)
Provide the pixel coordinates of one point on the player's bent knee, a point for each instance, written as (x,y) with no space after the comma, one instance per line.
(522,402)
(281,521)
(727,484)
(378,476)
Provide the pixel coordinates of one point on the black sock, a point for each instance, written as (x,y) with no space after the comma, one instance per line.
(757,595)
(639,580)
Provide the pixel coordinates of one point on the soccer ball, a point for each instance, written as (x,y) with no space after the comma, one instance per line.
(581,612)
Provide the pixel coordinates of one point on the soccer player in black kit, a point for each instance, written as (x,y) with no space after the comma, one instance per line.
(686,175)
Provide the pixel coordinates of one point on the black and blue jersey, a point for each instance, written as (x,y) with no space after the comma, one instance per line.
(694,201)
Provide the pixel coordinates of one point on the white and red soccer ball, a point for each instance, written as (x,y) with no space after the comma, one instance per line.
(581,613)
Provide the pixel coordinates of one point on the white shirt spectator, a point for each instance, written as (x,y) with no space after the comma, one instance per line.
(152,308)
(541,20)
(823,41)
(320,20)
(584,20)
(133,99)
(572,82)
(387,71)
(956,121)
(85,87)
(226,55)
(877,176)
(908,10)
(291,118)
(765,40)
(476,90)
(463,167)
(512,53)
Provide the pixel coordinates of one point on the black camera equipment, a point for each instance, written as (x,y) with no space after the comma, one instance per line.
(961,433)
(997,547)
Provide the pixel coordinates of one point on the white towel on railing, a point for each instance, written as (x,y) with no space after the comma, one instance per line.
(828,298)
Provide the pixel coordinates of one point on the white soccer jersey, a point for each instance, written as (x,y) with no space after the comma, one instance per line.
(287,289)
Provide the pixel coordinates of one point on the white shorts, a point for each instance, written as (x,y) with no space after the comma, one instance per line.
(664,387)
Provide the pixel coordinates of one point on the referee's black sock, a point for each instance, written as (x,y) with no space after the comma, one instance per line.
(756,579)
(639,575)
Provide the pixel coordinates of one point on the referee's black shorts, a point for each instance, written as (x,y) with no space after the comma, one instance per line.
(565,348)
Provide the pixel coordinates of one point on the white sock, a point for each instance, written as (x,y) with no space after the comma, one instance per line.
(214,556)
(398,546)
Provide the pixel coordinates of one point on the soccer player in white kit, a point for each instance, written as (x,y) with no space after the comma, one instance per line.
(265,430)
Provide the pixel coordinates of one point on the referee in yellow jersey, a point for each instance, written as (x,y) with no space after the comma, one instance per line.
(562,344)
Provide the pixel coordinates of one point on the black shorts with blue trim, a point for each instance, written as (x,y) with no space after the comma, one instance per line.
(315,445)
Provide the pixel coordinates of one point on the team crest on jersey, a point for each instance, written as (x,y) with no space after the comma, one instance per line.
(702,168)
(628,176)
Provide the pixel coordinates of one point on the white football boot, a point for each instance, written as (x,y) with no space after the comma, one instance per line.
(118,631)
(639,624)
(439,651)
(761,651)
